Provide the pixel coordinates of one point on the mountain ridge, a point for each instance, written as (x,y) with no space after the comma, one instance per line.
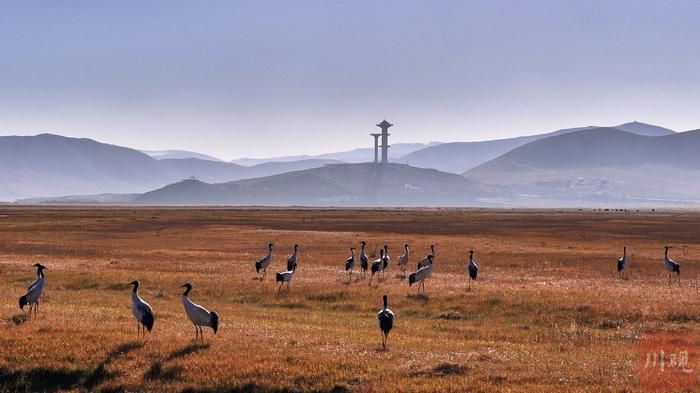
(459,157)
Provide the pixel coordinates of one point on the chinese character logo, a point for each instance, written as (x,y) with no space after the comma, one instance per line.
(668,361)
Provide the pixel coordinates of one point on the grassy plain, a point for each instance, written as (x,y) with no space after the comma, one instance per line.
(548,313)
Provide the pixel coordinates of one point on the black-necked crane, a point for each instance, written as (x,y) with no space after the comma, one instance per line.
(198,315)
(292,260)
(264,262)
(386,321)
(34,291)
(671,265)
(364,261)
(622,262)
(142,311)
(350,263)
(422,274)
(285,277)
(385,260)
(472,268)
(377,266)
(426,261)
(403,259)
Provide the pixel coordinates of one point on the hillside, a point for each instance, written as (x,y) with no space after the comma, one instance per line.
(178,154)
(458,157)
(600,163)
(47,164)
(50,165)
(336,185)
(363,154)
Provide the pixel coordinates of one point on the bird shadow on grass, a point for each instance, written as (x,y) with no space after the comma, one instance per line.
(100,373)
(421,297)
(44,379)
(187,350)
(18,319)
(160,371)
(40,379)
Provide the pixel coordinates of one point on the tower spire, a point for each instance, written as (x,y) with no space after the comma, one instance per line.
(384,125)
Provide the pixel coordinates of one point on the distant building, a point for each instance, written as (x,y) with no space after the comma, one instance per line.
(384,125)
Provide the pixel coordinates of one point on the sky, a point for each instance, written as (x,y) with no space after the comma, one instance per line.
(266,78)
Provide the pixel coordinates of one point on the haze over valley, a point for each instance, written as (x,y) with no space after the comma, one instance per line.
(633,164)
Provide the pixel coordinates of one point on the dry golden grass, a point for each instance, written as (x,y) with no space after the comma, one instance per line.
(548,313)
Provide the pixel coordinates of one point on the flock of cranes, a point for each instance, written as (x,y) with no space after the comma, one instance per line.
(201,317)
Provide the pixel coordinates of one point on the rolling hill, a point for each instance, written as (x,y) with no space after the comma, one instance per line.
(178,154)
(458,157)
(48,165)
(364,154)
(332,185)
(600,164)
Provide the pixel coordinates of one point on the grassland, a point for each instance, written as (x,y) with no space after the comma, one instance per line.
(548,312)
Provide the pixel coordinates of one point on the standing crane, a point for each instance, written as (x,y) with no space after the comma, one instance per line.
(385,260)
(403,259)
(198,315)
(472,268)
(420,276)
(34,291)
(386,321)
(142,311)
(285,277)
(377,266)
(622,262)
(264,262)
(350,263)
(364,261)
(425,261)
(292,260)
(671,265)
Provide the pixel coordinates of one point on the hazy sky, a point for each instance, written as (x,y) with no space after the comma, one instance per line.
(262,78)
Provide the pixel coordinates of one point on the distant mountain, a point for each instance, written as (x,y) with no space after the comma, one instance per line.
(49,165)
(332,185)
(217,172)
(46,164)
(600,163)
(638,128)
(178,154)
(365,154)
(458,157)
